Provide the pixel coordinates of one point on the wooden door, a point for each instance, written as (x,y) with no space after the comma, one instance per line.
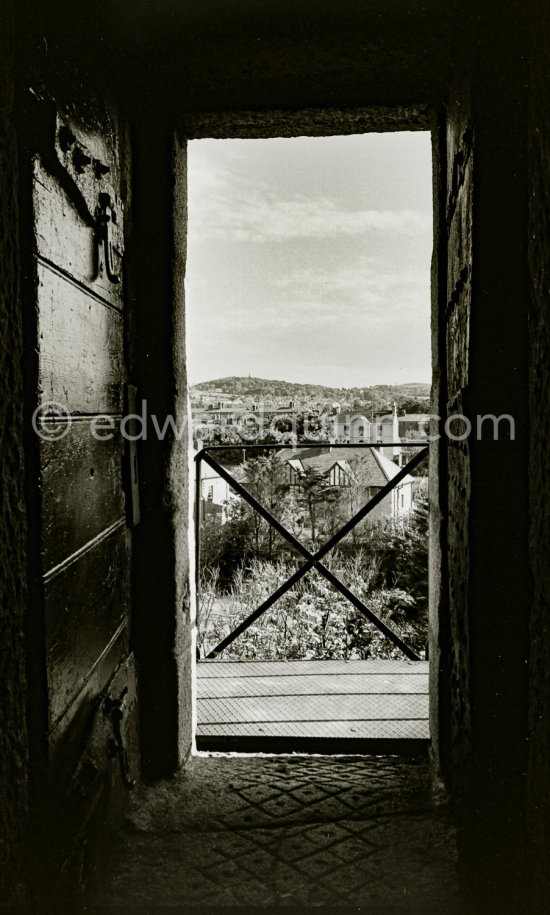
(78,191)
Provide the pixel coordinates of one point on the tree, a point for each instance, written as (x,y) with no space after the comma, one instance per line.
(224,547)
(315,427)
(414,406)
(265,479)
(402,551)
(316,495)
(246,535)
(355,494)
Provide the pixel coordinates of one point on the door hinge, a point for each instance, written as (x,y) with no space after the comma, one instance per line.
(115,709)
(133,512)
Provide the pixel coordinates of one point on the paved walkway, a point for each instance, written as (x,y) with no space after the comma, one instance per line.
(283,832)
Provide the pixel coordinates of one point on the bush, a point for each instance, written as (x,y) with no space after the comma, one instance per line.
(312,620)
(242,563)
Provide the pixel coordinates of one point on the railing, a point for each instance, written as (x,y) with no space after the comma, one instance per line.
(312,560)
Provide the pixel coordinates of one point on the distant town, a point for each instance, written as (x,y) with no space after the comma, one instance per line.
(238,410)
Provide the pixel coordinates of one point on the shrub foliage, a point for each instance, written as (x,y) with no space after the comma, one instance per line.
(243,561)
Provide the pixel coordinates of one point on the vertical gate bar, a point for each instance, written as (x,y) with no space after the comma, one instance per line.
(198,463)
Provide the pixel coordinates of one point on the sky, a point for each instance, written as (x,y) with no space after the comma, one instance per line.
(309,259)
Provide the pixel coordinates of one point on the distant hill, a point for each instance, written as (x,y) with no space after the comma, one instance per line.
(267,388)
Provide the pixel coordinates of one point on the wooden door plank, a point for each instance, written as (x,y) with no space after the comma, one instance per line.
(81,348)
(81,620)
(313,708)
(82,493)
(301,668)
(311,684)
(382,730)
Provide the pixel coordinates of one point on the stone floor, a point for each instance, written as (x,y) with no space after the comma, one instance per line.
(354,833)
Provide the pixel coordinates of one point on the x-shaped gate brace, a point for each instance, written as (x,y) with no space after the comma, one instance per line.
(313,560)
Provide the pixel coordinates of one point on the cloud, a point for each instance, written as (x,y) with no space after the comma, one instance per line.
(232,208)
(321,298)
(368,273)
(368,288)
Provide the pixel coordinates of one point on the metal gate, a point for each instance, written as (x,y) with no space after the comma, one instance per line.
(312,560)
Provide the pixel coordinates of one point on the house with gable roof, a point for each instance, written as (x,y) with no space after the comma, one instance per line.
(366,470)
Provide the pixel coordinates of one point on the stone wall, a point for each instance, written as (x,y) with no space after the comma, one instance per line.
(13,573)
(162,587)
(455,317)
(539,405)
(489,579)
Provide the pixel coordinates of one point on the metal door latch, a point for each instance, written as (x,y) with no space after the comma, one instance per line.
(106,217)
(115,709)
